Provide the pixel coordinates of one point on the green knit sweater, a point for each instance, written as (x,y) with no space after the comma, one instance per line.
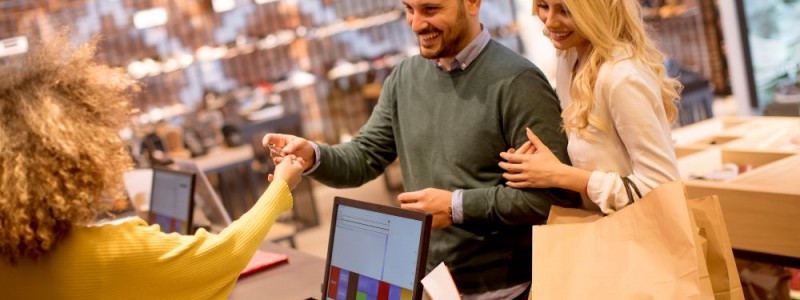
(448,130)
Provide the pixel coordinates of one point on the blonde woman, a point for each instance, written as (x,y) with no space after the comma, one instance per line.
(618,105)
(62,160)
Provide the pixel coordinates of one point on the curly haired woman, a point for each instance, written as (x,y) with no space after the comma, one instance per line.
(618,106)
(61,160)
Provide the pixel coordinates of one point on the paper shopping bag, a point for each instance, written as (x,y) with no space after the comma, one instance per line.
(646,251)
(563,215)
(718,251)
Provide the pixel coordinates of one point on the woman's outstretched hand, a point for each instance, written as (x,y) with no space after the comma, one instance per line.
(290,169)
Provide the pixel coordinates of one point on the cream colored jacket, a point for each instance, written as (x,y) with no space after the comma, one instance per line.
(638,144)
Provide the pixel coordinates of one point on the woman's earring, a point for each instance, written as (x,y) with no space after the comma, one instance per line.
(546,32)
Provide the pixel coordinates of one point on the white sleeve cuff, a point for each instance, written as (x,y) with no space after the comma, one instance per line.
(457,206)
(317,159)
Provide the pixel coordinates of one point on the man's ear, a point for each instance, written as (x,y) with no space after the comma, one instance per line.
(473,7)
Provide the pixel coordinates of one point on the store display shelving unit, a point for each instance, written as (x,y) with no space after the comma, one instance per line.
(761,204)
(317,55)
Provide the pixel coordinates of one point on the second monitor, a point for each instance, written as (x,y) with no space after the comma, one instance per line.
(375,252)
(172,200)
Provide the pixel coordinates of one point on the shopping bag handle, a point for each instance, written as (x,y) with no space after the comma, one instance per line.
(628,183)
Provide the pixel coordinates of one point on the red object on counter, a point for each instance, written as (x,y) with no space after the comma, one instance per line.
(263,260)
(794,282)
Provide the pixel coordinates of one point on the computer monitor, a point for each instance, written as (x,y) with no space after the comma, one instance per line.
(206,198)
(172,200)
(375,252)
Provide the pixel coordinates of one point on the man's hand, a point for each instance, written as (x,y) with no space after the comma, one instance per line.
(290,145)
(430,200)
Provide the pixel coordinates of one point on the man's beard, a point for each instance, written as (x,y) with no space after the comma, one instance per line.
(450,46)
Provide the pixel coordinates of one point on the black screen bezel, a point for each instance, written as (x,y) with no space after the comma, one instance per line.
(425,236)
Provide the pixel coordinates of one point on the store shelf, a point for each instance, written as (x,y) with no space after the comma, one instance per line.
(710,160)
(761,202)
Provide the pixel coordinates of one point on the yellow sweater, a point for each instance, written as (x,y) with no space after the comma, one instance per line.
(135,261)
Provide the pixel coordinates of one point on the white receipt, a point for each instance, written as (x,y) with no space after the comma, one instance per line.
(439,284)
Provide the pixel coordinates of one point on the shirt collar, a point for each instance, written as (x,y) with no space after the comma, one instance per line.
(467,55)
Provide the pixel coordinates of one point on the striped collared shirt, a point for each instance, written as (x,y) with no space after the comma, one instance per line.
(469,53)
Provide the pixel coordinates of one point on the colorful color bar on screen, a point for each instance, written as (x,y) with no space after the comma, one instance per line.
(346,285)
(168,224)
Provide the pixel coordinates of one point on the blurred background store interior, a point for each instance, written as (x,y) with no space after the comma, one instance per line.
(219,74)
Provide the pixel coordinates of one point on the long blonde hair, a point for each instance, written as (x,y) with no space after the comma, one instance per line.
(609,25)
(61,156)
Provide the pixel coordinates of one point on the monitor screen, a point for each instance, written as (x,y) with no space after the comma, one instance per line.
(206,198)
(375,252)
(171,200)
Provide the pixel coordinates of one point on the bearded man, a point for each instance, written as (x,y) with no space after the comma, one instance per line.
(447,114)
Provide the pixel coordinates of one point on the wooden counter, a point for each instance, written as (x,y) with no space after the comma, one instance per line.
(299,279)
(762,205)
